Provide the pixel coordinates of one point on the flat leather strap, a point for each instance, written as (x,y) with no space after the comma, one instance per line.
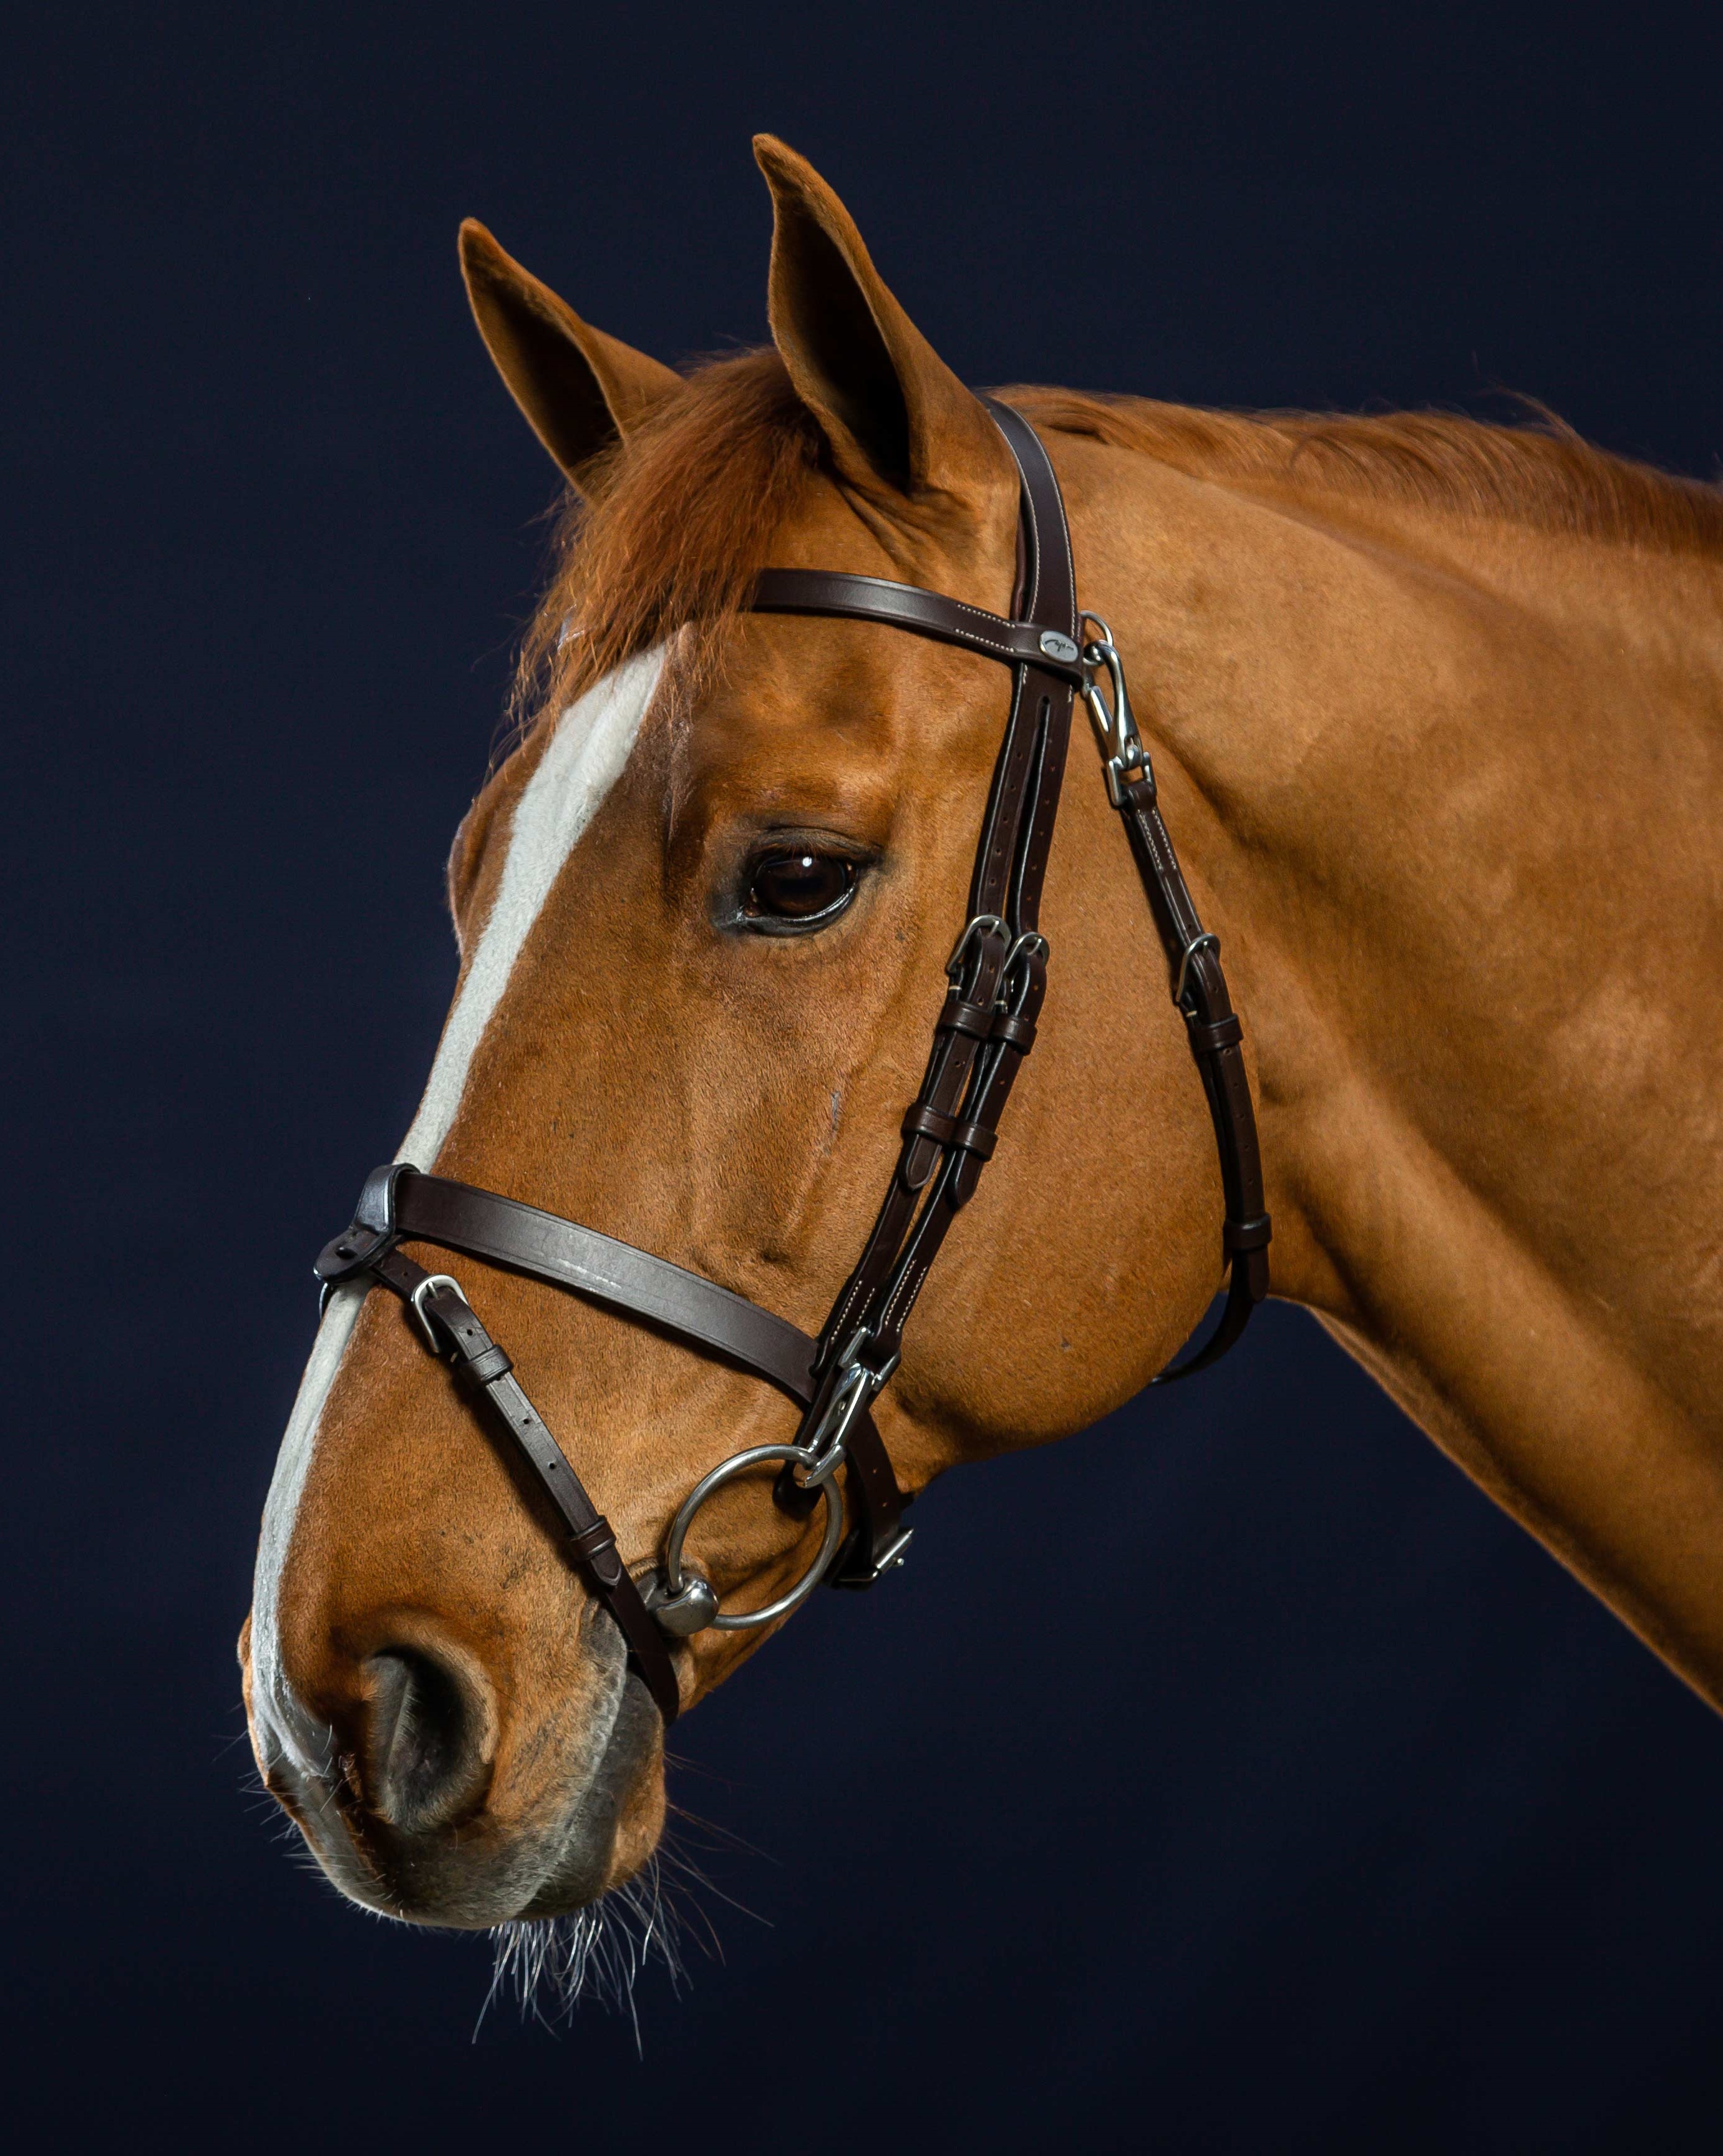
(922,613)
(452,1326)
(462,1218)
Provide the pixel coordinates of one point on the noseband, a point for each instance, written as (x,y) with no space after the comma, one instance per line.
(997,976)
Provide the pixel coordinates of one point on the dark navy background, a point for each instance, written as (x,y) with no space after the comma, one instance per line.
(1233,1779)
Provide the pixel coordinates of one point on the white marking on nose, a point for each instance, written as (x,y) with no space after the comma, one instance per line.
(304,1739)
(583,761)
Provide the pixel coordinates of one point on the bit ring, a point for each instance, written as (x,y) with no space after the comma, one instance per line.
(738,1463)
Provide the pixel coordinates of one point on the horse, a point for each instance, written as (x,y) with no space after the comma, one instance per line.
(1436,711)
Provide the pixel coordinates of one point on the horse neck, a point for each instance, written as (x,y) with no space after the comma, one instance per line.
(1451,793)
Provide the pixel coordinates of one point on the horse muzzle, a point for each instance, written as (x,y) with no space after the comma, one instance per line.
(425,1796)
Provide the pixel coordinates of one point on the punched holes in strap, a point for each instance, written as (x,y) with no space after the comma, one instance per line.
(487,1367)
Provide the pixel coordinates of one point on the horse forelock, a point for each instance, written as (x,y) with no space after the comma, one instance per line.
(684,515)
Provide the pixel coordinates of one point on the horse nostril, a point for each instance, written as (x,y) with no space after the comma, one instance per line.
(431,1738)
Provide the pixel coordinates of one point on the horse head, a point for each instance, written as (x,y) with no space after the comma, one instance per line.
(704,909)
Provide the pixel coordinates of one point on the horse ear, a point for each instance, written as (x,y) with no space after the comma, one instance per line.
(893,412)
(581,390)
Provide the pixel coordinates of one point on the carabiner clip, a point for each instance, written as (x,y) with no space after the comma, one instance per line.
(1125,758)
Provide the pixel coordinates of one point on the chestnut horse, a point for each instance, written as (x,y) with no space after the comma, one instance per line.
(1437,711)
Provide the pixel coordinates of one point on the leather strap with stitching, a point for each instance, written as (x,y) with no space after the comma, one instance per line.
(1046,598)
(987,1024)
(923,613)
(1215,1035)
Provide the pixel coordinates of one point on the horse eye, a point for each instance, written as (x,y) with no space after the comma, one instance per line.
(799,887)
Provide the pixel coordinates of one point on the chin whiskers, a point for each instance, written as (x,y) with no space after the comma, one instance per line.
(552,1964)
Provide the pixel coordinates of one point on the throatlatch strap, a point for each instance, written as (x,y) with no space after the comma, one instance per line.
(1200,990)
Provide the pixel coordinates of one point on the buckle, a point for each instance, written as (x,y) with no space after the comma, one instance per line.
(856,1386)
(423,1317)
(1014,985)
(982,924)
(1203,940)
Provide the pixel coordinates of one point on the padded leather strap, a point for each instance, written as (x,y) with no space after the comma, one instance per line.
(461,1218)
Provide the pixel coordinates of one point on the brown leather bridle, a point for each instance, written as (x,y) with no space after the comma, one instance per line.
(998,975)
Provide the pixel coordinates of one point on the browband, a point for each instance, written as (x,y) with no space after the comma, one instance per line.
(923,613)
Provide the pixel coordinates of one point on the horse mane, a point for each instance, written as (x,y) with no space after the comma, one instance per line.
(1539,474)
(685,514)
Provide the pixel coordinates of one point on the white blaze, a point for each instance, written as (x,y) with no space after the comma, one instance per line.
(584,760)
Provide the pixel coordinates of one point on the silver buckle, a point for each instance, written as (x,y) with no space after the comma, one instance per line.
(857,1388)
(1010,996)
(424,1287)
(982,924)
(1204,940)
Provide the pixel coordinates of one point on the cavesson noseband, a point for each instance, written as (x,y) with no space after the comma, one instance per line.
(997,974)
